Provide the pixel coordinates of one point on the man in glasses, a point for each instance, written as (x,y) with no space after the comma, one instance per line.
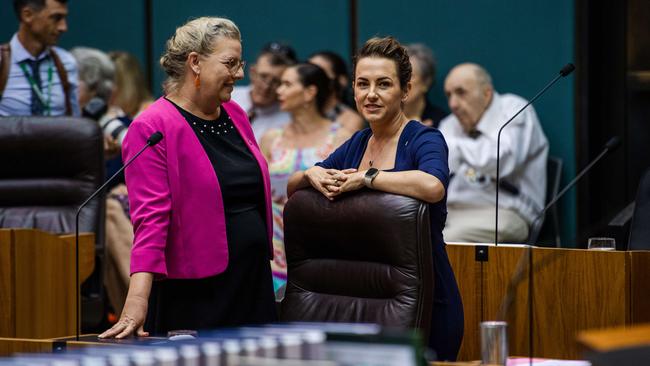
(259,98)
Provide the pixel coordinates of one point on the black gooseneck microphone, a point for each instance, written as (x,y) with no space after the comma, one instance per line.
(518,275)
(151,141)
(611,145)
(566,70)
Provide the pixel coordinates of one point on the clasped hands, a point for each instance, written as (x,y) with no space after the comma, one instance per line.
(333,182)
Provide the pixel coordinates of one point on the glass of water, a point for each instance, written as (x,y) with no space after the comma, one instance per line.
(601,244)
(494,343)
(182,334)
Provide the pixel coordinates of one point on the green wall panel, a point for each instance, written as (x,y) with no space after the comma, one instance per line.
(523,44)
(308,26)
(114,25)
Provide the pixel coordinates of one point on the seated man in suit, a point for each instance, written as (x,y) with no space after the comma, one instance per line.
(478,112)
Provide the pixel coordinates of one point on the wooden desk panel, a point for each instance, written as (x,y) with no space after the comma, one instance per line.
(573,290)
(7,314)
(9,346)
(640,287)
(468,275)
(37,275)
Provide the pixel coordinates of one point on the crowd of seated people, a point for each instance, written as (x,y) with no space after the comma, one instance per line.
(298,113)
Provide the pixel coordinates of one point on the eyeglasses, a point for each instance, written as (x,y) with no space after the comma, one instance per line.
(234,65)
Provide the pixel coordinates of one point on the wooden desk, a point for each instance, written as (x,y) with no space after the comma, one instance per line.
(37,282)
(10,346)
(573,290)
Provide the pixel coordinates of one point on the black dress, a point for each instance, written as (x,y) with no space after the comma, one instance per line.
(433,114)
(243,293)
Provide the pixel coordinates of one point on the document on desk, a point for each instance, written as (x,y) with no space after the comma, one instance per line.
(353,354)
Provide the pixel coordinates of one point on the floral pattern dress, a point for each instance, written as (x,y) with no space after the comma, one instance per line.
(283,163)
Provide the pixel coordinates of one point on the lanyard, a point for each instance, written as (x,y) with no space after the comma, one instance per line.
(37,88)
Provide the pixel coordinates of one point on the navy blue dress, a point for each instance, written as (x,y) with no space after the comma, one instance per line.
(421,148)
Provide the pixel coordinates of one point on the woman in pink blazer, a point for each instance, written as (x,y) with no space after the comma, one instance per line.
(200,199)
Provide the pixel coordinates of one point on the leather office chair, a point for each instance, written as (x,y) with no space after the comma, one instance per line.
(543,230)
(640,227)
(364,257)
(50,165)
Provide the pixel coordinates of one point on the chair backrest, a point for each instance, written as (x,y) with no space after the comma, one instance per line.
(640,227)
(364,257)
(549,230)
(50,165)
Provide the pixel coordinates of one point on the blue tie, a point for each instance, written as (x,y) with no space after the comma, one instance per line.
(36,105)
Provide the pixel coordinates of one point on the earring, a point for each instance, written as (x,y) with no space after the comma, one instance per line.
(197,81)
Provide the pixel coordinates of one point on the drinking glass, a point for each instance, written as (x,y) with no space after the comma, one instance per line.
(601,244)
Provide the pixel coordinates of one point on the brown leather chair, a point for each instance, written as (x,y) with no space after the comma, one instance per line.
(49,166)
(364,257)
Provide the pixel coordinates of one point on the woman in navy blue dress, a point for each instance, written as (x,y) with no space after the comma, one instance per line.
(398,156)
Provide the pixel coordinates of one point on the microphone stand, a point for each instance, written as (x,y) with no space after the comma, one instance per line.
(566,70)
(611,145)
(154,139)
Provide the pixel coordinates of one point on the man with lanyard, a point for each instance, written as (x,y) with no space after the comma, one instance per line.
(37,78)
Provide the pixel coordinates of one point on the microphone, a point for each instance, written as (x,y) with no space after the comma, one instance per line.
(518,275)
(566,70)
(610,146)
(151,141)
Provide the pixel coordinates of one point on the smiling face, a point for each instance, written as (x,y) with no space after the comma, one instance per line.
(220,70)
(377,90)
(47,24)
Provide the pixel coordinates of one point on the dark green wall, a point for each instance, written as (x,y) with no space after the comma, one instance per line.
(94,23)
(521,43)
(307,25)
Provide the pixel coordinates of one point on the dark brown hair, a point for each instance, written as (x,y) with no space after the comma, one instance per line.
(310,74)
(390,48)
(37,5)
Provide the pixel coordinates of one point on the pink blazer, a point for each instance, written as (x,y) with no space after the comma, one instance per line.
(176,205)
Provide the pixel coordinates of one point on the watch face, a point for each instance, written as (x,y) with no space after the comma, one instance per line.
(372,172)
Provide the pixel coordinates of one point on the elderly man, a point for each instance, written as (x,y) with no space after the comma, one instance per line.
(37,78)
(259,99)
(478,112)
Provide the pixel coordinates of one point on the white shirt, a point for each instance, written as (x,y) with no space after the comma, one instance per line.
(265,118)
(17,96)
(524,150)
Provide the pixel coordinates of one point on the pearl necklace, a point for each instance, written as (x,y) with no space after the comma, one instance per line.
(215,127)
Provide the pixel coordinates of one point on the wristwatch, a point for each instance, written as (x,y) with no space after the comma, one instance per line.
(370,176)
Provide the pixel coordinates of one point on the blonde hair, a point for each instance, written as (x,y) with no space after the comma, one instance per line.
(198,35)
(132,89)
